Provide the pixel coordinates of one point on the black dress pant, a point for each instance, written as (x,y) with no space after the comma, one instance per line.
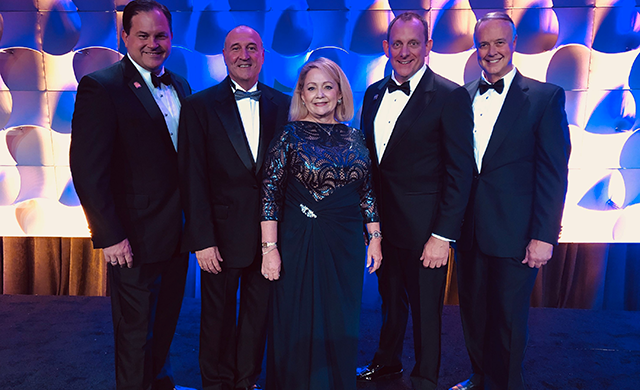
(404,283)
(232,343)
(495,295)
(145,305)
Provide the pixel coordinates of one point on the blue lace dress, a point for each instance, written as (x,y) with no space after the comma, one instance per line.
(317,186)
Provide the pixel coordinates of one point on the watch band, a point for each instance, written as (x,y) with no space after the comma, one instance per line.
(375,234)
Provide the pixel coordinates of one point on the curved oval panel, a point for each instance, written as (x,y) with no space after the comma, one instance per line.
(627,227)
(453,30)
(537,29)
(616,29)
(22,69)
(98,29)
(69,197)
(615,113)
(329,28)
(211,31)
(598,197)
(6,106)
(634,74)
(293,33)
(1,27)
(30,217)
(89,60)
(30,145)
(630,154)
(29,109)
(369,30)
(631,178)
(20,30)
(60,24)
(9,185)
(61,105)
(569,67)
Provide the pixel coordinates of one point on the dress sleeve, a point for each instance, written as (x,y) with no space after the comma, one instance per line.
(275,175)
(368,202)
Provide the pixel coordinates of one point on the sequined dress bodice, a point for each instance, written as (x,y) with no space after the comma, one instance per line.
(322,157)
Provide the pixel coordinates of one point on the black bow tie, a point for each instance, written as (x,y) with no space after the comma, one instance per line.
(404,87)
(484,86)
(158,81)
(255,95)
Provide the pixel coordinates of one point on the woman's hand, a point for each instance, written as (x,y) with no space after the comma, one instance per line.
(271,265)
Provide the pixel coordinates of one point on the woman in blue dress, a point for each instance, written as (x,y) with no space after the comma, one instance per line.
(317,195)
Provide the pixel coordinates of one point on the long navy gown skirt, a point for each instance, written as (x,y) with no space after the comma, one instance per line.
(313,338)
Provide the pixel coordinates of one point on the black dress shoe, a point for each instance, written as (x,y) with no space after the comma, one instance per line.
(252,387)
(468,385)
(374,372)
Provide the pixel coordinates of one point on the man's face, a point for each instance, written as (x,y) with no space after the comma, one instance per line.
(406,48)
(149,40)
(495,43)
(244,56)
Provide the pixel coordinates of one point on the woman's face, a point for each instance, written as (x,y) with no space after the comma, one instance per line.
(320,94)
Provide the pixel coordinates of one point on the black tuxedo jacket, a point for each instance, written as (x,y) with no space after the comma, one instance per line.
(123,163)
(423,181)
(220,182)
(519,193)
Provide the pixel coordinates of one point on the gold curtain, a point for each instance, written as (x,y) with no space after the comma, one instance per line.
(52,266)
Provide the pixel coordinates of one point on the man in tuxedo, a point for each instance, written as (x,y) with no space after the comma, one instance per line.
(225,131)
(418,129)
(521,147)
(125,170)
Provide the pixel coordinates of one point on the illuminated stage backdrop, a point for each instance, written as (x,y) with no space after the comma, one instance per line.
(589,47)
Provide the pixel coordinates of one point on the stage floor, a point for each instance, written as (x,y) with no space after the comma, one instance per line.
(65,343)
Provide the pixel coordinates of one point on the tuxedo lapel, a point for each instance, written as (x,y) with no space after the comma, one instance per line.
(472,88)
(231,122)
(513,103)
(268,117)
(140,89)
(418,102)
(370,117)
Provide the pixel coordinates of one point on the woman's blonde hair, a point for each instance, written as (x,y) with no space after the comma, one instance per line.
(344,110)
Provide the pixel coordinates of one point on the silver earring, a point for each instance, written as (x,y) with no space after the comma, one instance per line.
(340,101)
(303,104)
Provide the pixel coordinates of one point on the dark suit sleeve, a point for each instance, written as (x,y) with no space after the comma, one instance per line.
(93,136)
(553,147)
(194,181)
(457,122)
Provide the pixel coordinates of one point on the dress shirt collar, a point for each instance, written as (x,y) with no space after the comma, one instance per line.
(146,75)
(413,80)
(235,86)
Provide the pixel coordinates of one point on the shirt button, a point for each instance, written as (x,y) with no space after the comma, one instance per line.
(161,95)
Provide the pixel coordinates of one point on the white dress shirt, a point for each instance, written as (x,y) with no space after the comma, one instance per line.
(250,115)
(390,109)
(486,108)
(167,99)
